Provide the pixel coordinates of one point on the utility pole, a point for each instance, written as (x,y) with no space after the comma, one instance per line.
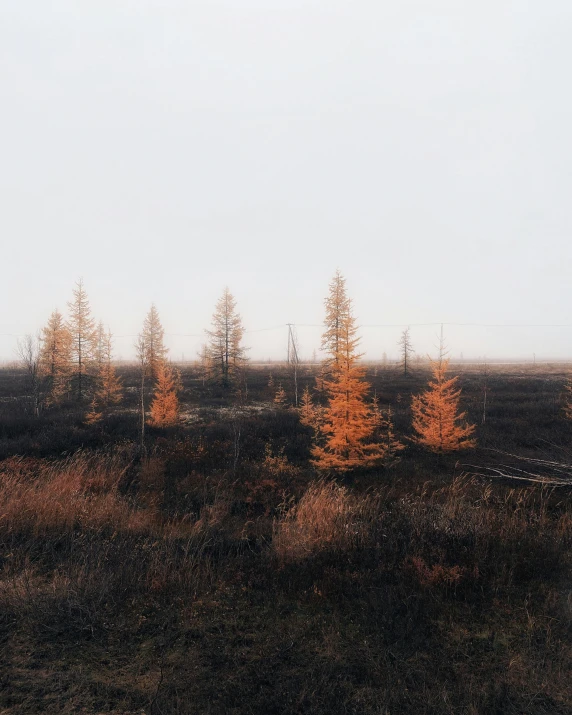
(485,387)
(293,358)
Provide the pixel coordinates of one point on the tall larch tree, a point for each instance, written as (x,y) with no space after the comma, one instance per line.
(406,350)
(307,411)
(55,357)
(344,437)
(338,309)
(83,338)
(153,337)
(226,354)
(165,405)
(108,391)
(437,422)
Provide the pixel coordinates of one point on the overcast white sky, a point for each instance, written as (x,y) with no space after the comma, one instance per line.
(163,150)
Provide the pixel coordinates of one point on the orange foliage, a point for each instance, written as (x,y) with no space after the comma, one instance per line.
(226,354)
(55,356)
(83,337)
(337,310)
(108,386)
(165,405)
(437,574)
(81,491)
(280,399)
(94,415)
(327,517)
(436,418)
(307,410)
(344,435)
(154,351)
(109,391)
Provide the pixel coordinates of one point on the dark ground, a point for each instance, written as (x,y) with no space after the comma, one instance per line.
(180,584)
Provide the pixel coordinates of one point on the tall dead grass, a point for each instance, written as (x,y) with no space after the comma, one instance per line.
(80,492)
(73,548)
(465,524)
(327,517)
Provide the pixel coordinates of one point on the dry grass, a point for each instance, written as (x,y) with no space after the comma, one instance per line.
(396,599)
(74,550)
(327,517)
(80,492)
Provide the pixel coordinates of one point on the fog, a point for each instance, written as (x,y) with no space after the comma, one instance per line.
(163,150)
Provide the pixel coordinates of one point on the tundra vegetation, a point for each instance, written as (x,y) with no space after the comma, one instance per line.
(183,539)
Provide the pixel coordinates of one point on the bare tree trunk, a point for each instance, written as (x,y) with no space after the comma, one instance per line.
(29,352)
(485,405)
(293,358)
(485,386)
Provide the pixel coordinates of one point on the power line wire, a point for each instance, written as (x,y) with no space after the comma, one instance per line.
(366,325)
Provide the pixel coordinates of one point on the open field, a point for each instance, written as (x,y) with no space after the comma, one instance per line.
(218,574)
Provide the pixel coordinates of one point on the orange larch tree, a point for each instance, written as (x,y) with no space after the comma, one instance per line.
(344,438)
(108,390)
(307,411)
(165,405)
(94,415)
(227,355)
(280,397)
(338,308)
(437,422)
(55,357)
(153,338)
(83,338)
